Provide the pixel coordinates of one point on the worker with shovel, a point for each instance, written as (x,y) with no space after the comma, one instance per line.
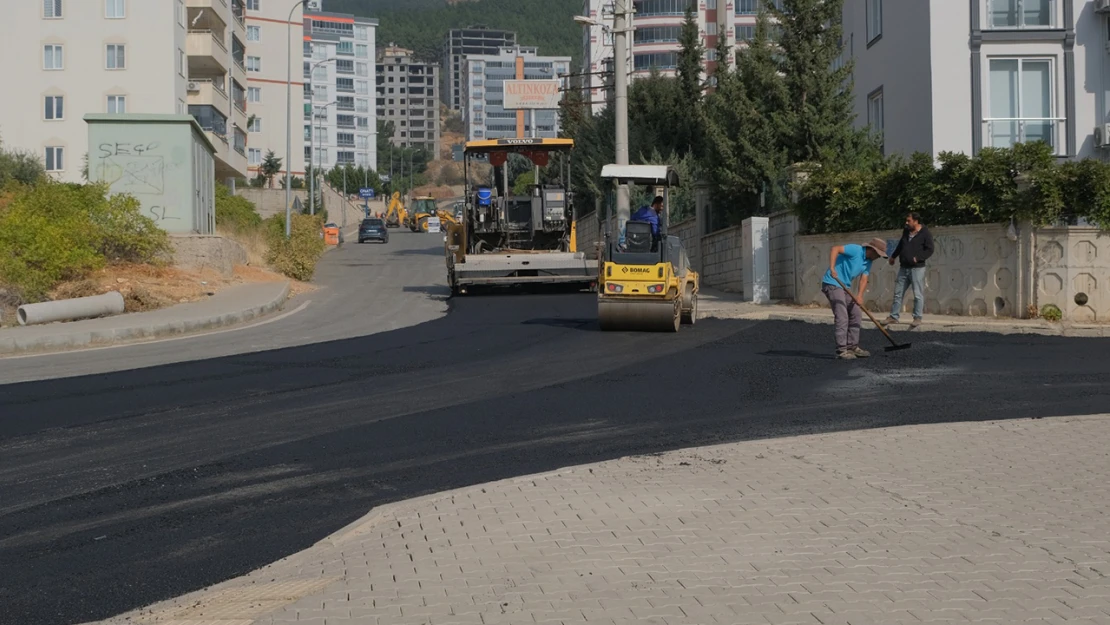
(846,263)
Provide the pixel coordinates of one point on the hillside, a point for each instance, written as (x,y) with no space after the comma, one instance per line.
(422,25)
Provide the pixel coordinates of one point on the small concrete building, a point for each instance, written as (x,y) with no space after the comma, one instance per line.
(164,161)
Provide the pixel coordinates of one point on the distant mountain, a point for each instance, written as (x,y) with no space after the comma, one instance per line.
(422,25)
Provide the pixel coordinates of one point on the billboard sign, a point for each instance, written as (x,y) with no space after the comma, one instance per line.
(531,94)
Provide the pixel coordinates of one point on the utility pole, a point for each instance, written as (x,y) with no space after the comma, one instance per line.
(621,27)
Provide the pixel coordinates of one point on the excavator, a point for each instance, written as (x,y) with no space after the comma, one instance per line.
(423,207)
(504,239)
(646,282)
(396,215)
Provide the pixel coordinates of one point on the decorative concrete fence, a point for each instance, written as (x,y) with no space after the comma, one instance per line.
(1072,270)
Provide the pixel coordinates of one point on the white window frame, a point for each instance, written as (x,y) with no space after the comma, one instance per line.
(1053,101)
(256,65)
(58,56)
(120,4)
(1020,25)
(54,153)
(52,10)
(121,53)
(253,5)
(876,108)
(257,92)
(181,62)
(874,20)
(362,51)
(255,125)
(119,99)
(257,30)
(254,156)
(59,104)
(181,13)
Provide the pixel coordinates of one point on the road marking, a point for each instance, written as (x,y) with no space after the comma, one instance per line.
(167,339)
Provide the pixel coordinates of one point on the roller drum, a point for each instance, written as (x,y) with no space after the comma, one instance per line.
(615,315)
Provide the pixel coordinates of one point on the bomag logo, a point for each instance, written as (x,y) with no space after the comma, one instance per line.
(636,269)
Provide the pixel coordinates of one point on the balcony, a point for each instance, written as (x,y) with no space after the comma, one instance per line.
(207,53)
(1005,132)
(207,92)
(343,143)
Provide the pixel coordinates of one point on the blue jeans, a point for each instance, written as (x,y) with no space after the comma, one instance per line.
(908,277)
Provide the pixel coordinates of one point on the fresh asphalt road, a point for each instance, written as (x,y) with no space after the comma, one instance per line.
(123,488)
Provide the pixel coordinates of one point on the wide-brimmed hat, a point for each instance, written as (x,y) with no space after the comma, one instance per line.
(878,245)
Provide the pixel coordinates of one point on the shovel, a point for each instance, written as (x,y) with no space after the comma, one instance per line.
(894,346)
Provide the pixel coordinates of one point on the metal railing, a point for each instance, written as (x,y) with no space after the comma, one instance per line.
(1003,132)
(1017,18)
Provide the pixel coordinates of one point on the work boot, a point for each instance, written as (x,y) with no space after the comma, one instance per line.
(859,352)
(845,355)
(916,324)
(889,320)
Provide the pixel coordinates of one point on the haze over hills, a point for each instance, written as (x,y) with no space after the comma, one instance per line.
(422,25)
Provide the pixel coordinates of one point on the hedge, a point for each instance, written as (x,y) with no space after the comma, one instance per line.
(957,190)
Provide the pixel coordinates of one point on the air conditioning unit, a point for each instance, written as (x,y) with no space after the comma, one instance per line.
(1102,6)
(192,86)
(1102,136)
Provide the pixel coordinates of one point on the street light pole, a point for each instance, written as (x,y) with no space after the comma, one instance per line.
(289,115)
(621,28)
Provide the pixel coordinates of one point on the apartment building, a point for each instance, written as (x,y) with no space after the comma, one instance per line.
(655,42)
(406,90)
(483,93)
(274,34)
(119,56)
(1003,72)
(462,42)
(340,120)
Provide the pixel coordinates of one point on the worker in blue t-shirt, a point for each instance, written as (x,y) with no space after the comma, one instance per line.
(846,263)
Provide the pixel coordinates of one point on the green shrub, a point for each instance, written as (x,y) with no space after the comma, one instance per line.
(1051,312)
(956,190)
(20,166)
(295,257)
(60,231)
(235,213)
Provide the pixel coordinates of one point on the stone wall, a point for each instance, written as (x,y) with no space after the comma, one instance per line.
(720,260)
(270,202)
(687,232)
(204,251)
(1069,262)
(784,230)
(972,272)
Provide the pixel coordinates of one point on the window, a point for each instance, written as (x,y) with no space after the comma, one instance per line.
(181,64)
(362,87)
(345,66)
(320,74)
(345,84)
(308,133)
(745,33)
(254,64)
(658,60)
(362,51)
(254,33)
(1022,102)
(657,34)
(308,49)
(345,139)
(254,94)
(115,9)
(254,156)
(255,125)
(710,29)
(53,107)
(362,142)
(711,54)
(117,104)
(54,160)
(874,20)
(52,57)
(361,33)
(252,5)
(115,56)
(648,8)
(1020,13)
(875,111)
(362,69)
(52,9)
(345,47)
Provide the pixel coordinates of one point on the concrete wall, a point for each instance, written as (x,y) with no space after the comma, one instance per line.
(587,235)
(973,272)
(784,229)
(270,202)
(200,251)
(687,231)
(720,260)
(1070,261)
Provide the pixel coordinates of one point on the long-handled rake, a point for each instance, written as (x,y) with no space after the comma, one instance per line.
(894,346)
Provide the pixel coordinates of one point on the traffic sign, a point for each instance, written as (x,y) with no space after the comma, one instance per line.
(366,193)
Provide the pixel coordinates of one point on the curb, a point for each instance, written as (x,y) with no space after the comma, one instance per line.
(1068,331)
(10,346)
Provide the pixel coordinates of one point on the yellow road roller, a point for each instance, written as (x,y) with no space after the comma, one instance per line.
(645,279)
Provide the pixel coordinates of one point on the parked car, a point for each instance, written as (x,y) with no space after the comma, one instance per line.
(372,229)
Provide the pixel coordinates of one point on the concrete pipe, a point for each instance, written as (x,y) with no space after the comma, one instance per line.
(71,309)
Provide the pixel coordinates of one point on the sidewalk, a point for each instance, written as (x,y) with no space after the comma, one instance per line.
(1002,522)
(713,304)
(234,305)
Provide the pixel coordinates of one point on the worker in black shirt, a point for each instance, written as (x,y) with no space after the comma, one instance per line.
(915,247)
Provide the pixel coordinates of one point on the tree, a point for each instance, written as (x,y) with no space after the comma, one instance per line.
(817,118)
(270,167)
(523,181)
(690,55)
